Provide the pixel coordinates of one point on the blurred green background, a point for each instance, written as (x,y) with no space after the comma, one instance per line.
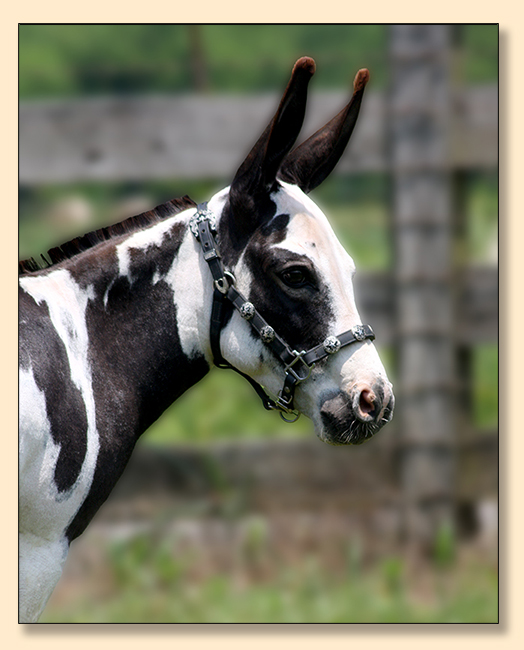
(77,61)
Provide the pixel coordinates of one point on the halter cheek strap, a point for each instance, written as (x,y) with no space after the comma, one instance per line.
(297,365)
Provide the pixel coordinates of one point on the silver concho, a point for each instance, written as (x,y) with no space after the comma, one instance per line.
(247,310)
(197,219)
(331,345)
(267,334)
(359,332)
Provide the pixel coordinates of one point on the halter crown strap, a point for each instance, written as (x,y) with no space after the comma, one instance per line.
(297,365)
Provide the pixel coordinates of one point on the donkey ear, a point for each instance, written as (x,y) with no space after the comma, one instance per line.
(311,162)
(257,174)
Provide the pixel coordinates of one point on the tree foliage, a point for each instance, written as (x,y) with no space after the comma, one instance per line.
(77,60)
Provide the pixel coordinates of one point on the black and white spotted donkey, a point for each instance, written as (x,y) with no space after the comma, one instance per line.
(120,322)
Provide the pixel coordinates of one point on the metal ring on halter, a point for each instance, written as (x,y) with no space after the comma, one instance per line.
(280,406)
(295,413)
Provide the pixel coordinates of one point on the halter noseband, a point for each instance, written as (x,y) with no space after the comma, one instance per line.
(297,365)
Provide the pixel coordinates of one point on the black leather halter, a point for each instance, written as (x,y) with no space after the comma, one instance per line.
(297,365)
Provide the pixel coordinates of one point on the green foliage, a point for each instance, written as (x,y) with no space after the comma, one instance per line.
(482,210)
(485,388)
(154,586)
(480,47)
(255,540)
(40,229)
(147,561)
(354,557)
(223,405)
(74,60)
(256,57)
(60,60)
(445,546)
(393,570)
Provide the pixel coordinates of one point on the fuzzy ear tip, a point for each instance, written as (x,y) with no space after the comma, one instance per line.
(361,79)
(305,63)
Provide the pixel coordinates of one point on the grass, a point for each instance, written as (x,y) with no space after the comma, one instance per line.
(151,586)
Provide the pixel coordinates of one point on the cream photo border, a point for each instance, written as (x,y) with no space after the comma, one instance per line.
(478,637)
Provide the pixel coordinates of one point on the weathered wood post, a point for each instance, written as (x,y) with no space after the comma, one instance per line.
(419,114)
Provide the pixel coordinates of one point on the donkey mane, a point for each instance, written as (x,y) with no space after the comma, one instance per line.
(79,244)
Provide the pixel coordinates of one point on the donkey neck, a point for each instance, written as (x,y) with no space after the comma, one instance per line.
(146,321)
(140,306)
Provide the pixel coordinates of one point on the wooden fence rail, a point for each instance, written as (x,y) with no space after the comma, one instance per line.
(477,306)
(191,137)
(204,136)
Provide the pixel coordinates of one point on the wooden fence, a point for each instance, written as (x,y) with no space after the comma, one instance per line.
(205,136)
(424,133)
(435,366)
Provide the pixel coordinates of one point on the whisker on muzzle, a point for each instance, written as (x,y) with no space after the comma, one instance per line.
(344,423)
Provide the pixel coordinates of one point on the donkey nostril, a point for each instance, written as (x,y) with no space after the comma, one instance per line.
(366,402)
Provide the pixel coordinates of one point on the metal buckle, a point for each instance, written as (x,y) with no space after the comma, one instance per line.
(298,357)
(282,405)
(198,217)
(223,283)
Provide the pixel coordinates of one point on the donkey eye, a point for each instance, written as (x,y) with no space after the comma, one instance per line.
(295,277)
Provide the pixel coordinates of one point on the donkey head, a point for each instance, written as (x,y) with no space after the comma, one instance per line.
(289,264)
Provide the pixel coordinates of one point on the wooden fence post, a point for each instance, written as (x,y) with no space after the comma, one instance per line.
(419,115)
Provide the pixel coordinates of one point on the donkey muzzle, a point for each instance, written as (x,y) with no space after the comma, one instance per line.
(349,418)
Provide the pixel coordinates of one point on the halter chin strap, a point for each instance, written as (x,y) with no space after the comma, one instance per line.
(297,365)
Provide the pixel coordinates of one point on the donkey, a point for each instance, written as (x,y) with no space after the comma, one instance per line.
(117,324)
